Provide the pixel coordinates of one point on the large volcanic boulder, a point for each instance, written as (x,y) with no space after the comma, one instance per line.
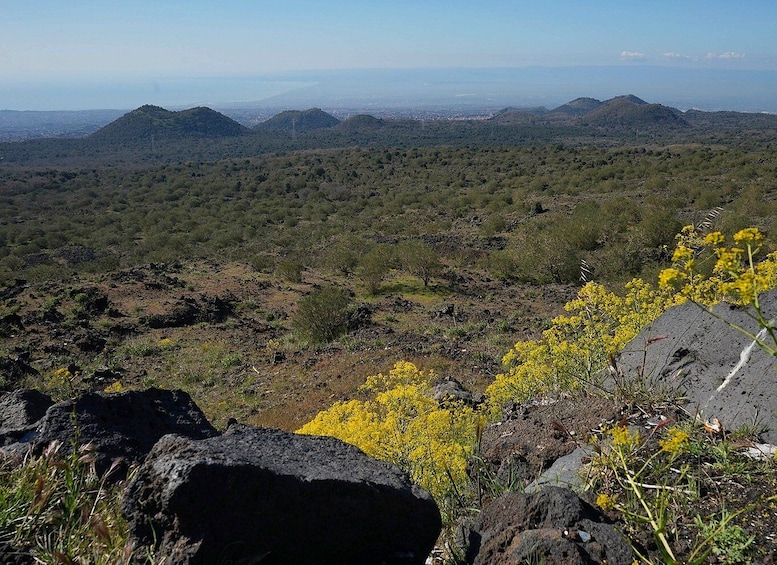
(723,374)
(256,494)
(123,426)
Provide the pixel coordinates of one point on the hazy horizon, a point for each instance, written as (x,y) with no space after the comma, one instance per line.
(381,89)
(87,54)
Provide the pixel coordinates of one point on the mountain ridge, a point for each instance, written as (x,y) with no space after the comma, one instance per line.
(152,133)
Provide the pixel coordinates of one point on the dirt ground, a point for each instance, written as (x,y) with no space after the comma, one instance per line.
(224,334)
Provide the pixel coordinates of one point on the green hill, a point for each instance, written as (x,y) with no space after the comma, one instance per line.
(299,121)
(578,107)
(630,111)
(148,120)
(361,122)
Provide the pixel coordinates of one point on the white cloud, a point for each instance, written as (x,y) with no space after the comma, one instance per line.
(632,55)
(731,55)
(680,56)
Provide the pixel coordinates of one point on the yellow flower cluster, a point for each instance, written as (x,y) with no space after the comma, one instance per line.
(60,384)
(403,424)
(114,388)
(675,442)
(735,277)
(605,501)
(623,437)
(60,377)
(576,348)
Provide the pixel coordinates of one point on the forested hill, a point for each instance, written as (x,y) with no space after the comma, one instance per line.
(150,120)
(151,134)
(295,120)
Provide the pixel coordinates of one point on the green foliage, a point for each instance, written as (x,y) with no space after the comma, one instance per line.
(403,424)
(493,224)
(419,260)
(730,543)
(290,270)
(624,470)
(574,351)
(343,256)
(273,204)
(58,509)
(374,266)
(146,347)
(323,314)
(658,227)
(656,483)
(501,263)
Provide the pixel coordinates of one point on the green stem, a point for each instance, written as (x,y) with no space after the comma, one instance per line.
(658,529)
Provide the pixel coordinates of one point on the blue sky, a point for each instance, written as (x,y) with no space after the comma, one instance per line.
(44,41)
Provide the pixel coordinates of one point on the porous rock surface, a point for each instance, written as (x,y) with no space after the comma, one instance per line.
(269,496)
(121,426)
(551,526)
(20,411)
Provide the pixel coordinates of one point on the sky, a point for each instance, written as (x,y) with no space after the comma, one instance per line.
(99,43)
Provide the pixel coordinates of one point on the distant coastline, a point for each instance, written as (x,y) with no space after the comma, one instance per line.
(374,89)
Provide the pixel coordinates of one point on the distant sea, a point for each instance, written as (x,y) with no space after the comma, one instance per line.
(173,93)
(374,89)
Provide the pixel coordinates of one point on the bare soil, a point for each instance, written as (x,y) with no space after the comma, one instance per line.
(223,333)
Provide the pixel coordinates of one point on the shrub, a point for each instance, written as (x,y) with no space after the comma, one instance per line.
(374,266)
(403,424)
(501,263)
(343,257)
(575,350)
(323,314)
(290,270)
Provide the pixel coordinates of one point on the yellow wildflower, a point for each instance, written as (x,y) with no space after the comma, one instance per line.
(715,238)
(751,237)
(670,277)
(675,442)
(682,253)
(622,437)
(605,501)
(115,387)
(729,260)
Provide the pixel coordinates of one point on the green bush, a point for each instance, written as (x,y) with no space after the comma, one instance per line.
(374,266)
(323,314)
(290,271)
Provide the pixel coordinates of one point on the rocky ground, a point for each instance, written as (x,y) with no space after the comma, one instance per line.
(224,334)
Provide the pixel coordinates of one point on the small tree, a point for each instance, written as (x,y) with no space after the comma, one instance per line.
(419,260)
(323,314)
(374,266)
